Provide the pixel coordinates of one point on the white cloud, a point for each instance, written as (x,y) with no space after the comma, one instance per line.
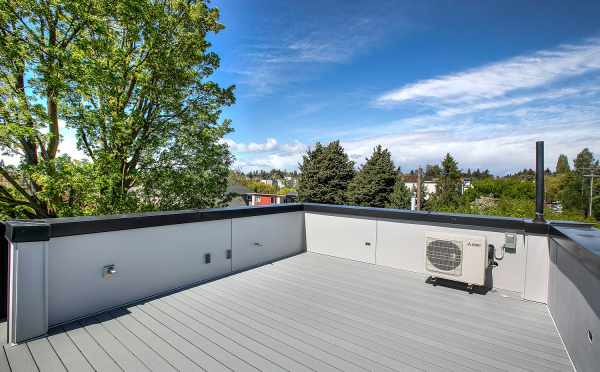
(268,145)
(501,152)
(498,79)
(267,155)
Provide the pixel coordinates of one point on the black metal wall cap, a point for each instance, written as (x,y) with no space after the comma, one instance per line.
(509,223)
(97,224)
(26,231)
(581,241)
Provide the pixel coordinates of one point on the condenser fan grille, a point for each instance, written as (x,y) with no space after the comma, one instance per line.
(445,256)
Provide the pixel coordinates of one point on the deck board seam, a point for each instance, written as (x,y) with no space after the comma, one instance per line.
(162,339)
(78,348)
(298,339)
(276,340)
(362,292)
(422,360)
(121,343)
(339,278)
(226,337)
(178,299)
(524,338)
(208,338)
(292,305)
(328,262)
(330,342)
(139,339)
(188,341)
(101,347)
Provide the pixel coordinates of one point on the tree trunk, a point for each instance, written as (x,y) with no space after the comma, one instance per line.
(51,93)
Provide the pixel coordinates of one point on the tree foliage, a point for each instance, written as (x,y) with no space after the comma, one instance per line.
(448,189)
(575,193)
(509,188)
(131,80)
(324,174)
(374,182)
(562,164)
(400,196)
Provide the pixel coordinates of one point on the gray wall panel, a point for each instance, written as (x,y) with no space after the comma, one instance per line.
(354,238)
(148,261)
(574,302)
(261,239)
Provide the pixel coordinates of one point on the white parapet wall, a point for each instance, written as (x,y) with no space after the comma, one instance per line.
(65,278)
(147,261)
(401,245)
(76,268)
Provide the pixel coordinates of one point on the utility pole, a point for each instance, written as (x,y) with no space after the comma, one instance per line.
(593,173)
(419,189)
(591,177)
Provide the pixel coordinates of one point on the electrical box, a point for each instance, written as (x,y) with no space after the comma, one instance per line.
(510,243)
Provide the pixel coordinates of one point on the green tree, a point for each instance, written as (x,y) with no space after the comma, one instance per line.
(576,192)
(324,174)
(562,164)
(375,180)
(400,196)
(448,190)
(39,54)
(432,170)
(131,79)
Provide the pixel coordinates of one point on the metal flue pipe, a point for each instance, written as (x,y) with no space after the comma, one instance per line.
(539,182)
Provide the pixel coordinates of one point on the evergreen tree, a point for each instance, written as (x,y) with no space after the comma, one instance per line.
(324,174)
(432,171)
(375,181)
(562,165)
(576,192)
(447,192)
(400,196)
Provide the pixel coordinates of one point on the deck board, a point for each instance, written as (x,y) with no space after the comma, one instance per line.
(44,356)
(308,312)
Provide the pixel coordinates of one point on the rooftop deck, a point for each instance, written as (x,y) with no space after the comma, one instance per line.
(307,312)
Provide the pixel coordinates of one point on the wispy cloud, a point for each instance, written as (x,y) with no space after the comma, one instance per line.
(267,155)
(498,79)
(301,50)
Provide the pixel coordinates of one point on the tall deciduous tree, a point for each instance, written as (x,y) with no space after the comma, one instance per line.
(562,164)
(324,174)
(38,58)
(448,190)
(375,180)
(131,79)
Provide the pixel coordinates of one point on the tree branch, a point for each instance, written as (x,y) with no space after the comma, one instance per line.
(33,201)
(86,143)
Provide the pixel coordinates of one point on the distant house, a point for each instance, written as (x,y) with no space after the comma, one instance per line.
(291,181)
(466,184)
(237,193)
(430,185)
(274,182)
(256,198)
(242,196)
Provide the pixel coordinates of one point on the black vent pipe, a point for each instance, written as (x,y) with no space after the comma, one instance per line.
(539,182)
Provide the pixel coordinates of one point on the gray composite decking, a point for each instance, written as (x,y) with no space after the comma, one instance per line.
(307,312)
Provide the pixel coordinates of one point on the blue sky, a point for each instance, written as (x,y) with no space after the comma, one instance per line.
(482,80)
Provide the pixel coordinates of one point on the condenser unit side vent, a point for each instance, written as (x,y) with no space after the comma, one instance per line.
(444,256)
